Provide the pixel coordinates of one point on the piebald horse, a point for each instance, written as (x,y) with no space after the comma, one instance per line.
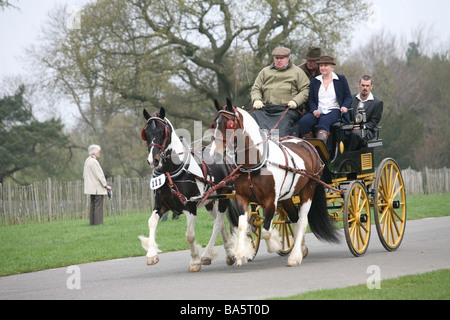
(271,173)
(180,178)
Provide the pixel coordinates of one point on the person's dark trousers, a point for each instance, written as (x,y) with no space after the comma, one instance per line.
(96,210)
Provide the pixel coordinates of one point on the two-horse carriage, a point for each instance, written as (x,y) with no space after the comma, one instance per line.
(293,181)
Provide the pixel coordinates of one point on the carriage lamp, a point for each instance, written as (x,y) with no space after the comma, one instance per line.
(360,117)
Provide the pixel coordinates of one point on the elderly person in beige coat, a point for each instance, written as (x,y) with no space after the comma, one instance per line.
(95,184)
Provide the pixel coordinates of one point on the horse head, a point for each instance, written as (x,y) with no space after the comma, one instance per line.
(235,129)
(157,133)
(224,126)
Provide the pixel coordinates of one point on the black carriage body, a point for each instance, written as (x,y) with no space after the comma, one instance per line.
(364,190)
(339,160)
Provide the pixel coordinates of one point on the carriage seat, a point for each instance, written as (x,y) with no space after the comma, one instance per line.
(377,141)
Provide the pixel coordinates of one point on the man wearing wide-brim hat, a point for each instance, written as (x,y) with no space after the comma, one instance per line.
(310,67)
(283,84)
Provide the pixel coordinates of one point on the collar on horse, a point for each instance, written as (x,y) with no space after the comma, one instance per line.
(263,160)
(184,165)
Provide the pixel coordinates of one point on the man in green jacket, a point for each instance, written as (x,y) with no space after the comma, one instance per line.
(282,84)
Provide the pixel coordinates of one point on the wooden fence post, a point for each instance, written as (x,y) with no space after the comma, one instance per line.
(49,199)
(119,195)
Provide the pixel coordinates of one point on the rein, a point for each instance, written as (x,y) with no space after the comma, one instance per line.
(281,118)
(231,177)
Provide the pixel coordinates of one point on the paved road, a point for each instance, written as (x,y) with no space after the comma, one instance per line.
(425,247)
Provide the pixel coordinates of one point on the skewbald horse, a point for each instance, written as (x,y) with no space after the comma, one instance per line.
(272,172)
(180,176)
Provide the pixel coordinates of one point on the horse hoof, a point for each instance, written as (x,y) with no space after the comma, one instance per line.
(231,260)
(195,268)
(305,252)
(153,260)
(293,263)
(206,261)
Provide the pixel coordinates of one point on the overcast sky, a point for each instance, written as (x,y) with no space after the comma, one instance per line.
(19,28)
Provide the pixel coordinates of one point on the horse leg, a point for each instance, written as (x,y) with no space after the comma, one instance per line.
(209,254)
(244,249)
(149,243)
(194,264)
(227,244)
(297,253)
(268,233)
(292,212)
(304,248)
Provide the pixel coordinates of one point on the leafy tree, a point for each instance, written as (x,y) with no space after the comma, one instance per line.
(29,149)
(416,114)
(434,149)
(412,53)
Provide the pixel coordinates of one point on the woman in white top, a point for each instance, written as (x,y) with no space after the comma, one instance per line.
(329,100)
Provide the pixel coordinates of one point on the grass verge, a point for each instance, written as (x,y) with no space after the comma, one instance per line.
(427,286)
(39,246)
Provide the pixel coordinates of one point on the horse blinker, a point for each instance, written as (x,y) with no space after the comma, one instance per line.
(231,124)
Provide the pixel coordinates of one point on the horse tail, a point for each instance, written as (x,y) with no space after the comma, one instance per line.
(319,219)
(233,212)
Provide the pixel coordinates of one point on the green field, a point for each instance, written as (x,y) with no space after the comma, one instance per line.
(428,286)
(39,246)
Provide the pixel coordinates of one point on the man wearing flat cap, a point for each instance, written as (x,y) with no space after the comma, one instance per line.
(281,84)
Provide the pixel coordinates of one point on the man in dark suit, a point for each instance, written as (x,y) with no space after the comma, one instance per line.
(368,107)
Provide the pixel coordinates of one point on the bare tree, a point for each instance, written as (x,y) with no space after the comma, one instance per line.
(6,4)
(126,55)
(182,54)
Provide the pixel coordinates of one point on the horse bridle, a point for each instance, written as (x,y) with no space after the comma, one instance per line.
(231,124)
(162,146)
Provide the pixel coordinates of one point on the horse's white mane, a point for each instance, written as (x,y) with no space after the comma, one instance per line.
(176,143)
(251,127)
(170,123)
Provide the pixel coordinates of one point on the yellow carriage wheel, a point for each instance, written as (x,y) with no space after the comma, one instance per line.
(389,204)
(282,223)
(255,222)
(356,218)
